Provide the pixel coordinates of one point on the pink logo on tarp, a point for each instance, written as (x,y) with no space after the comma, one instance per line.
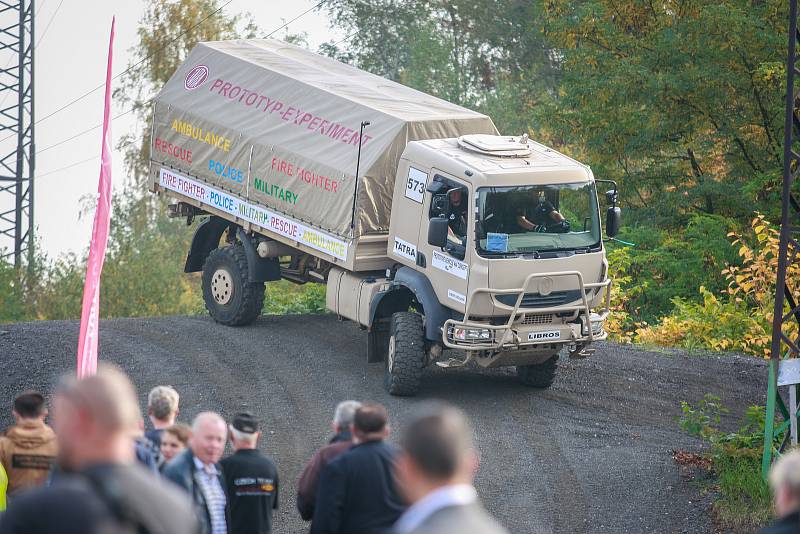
(196,77)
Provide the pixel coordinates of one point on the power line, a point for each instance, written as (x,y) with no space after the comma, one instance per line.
(297,17)
(49,22)
(340,41)
(40,176)
(84,132)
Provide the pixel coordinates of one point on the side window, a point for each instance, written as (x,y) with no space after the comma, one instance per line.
(458,199)
(450,201)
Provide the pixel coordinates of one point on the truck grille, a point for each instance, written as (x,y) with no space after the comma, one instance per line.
(535,300)
(538,318)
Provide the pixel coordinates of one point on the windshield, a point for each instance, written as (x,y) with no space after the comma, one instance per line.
(531,219)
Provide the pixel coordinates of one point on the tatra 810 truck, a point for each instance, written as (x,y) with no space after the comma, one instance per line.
(446,241)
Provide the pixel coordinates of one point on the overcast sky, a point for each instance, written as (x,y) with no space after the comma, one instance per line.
(70,61)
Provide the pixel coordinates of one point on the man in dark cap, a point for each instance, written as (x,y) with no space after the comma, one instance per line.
(251,479)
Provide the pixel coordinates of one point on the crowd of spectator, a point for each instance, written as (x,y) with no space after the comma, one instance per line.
(98,471)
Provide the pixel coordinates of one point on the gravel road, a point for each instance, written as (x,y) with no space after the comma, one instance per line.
(591,454)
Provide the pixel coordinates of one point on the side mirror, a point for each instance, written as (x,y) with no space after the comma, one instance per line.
(611,197)
(437,232)
(613,221)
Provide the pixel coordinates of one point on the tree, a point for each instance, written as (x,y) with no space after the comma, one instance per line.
(681,101)
(479,54)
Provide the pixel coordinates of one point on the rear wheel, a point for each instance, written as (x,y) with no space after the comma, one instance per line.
(405,355)
(540,375)
(229,297)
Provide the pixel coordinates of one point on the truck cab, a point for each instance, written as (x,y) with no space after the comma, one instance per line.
(497,242)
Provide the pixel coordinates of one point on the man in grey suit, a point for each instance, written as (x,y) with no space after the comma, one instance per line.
(434,472)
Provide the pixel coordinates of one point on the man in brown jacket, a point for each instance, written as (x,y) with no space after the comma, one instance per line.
(341,442)
(29,447)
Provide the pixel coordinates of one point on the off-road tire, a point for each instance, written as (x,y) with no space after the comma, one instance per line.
(405,355)
(243,305)
(540,375)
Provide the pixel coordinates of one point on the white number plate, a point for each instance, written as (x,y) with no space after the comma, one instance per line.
(544,336)
(415,185)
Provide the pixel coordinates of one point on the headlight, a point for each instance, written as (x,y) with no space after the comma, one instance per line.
(596,322)
(472,334)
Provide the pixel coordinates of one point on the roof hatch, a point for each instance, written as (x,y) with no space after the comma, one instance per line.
(496,145)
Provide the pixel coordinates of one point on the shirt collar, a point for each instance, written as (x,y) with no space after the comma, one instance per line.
(446,496)
(210,469)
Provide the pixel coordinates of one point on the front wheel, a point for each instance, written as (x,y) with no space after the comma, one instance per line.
(405,356)
(540,375)
(229,297)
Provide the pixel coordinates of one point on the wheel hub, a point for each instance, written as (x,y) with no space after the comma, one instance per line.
(222,286)
(390,355)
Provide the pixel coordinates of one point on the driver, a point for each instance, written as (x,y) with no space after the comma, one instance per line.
(541,215)
(457,219)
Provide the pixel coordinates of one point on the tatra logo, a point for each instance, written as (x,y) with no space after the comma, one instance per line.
(196,77)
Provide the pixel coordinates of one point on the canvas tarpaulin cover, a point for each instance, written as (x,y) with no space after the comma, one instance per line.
(278,125)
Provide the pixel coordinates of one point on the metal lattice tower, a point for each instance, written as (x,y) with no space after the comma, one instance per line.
(16,128)
(784,365)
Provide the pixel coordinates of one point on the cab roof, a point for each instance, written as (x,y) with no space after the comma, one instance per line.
(484,156)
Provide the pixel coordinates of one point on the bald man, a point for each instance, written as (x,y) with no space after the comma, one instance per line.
(197,471)
(99,488)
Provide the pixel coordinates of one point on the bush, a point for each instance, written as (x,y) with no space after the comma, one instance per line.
(666,264)
(740,318)
(715,324)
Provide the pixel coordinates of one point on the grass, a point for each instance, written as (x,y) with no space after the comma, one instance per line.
(744,502)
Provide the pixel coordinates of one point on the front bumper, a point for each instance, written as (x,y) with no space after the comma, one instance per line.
(581,324)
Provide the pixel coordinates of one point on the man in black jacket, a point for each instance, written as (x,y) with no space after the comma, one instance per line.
(357,490)
(251,479)
(785,481)
(198,472)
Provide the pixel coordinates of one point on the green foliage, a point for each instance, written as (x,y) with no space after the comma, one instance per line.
(461,50)
(681,102)
(744,500)
(666,265)
(12,307)
(704,419)
(740,316)
(284,297)
(715,323)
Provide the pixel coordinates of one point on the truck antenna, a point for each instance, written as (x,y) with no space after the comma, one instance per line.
(364,124)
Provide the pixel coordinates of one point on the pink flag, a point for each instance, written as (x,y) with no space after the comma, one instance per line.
(90,312)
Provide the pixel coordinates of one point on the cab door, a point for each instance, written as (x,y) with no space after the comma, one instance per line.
(407,205)
(447,267)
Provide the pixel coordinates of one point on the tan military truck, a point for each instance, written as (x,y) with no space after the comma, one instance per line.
(429,229)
